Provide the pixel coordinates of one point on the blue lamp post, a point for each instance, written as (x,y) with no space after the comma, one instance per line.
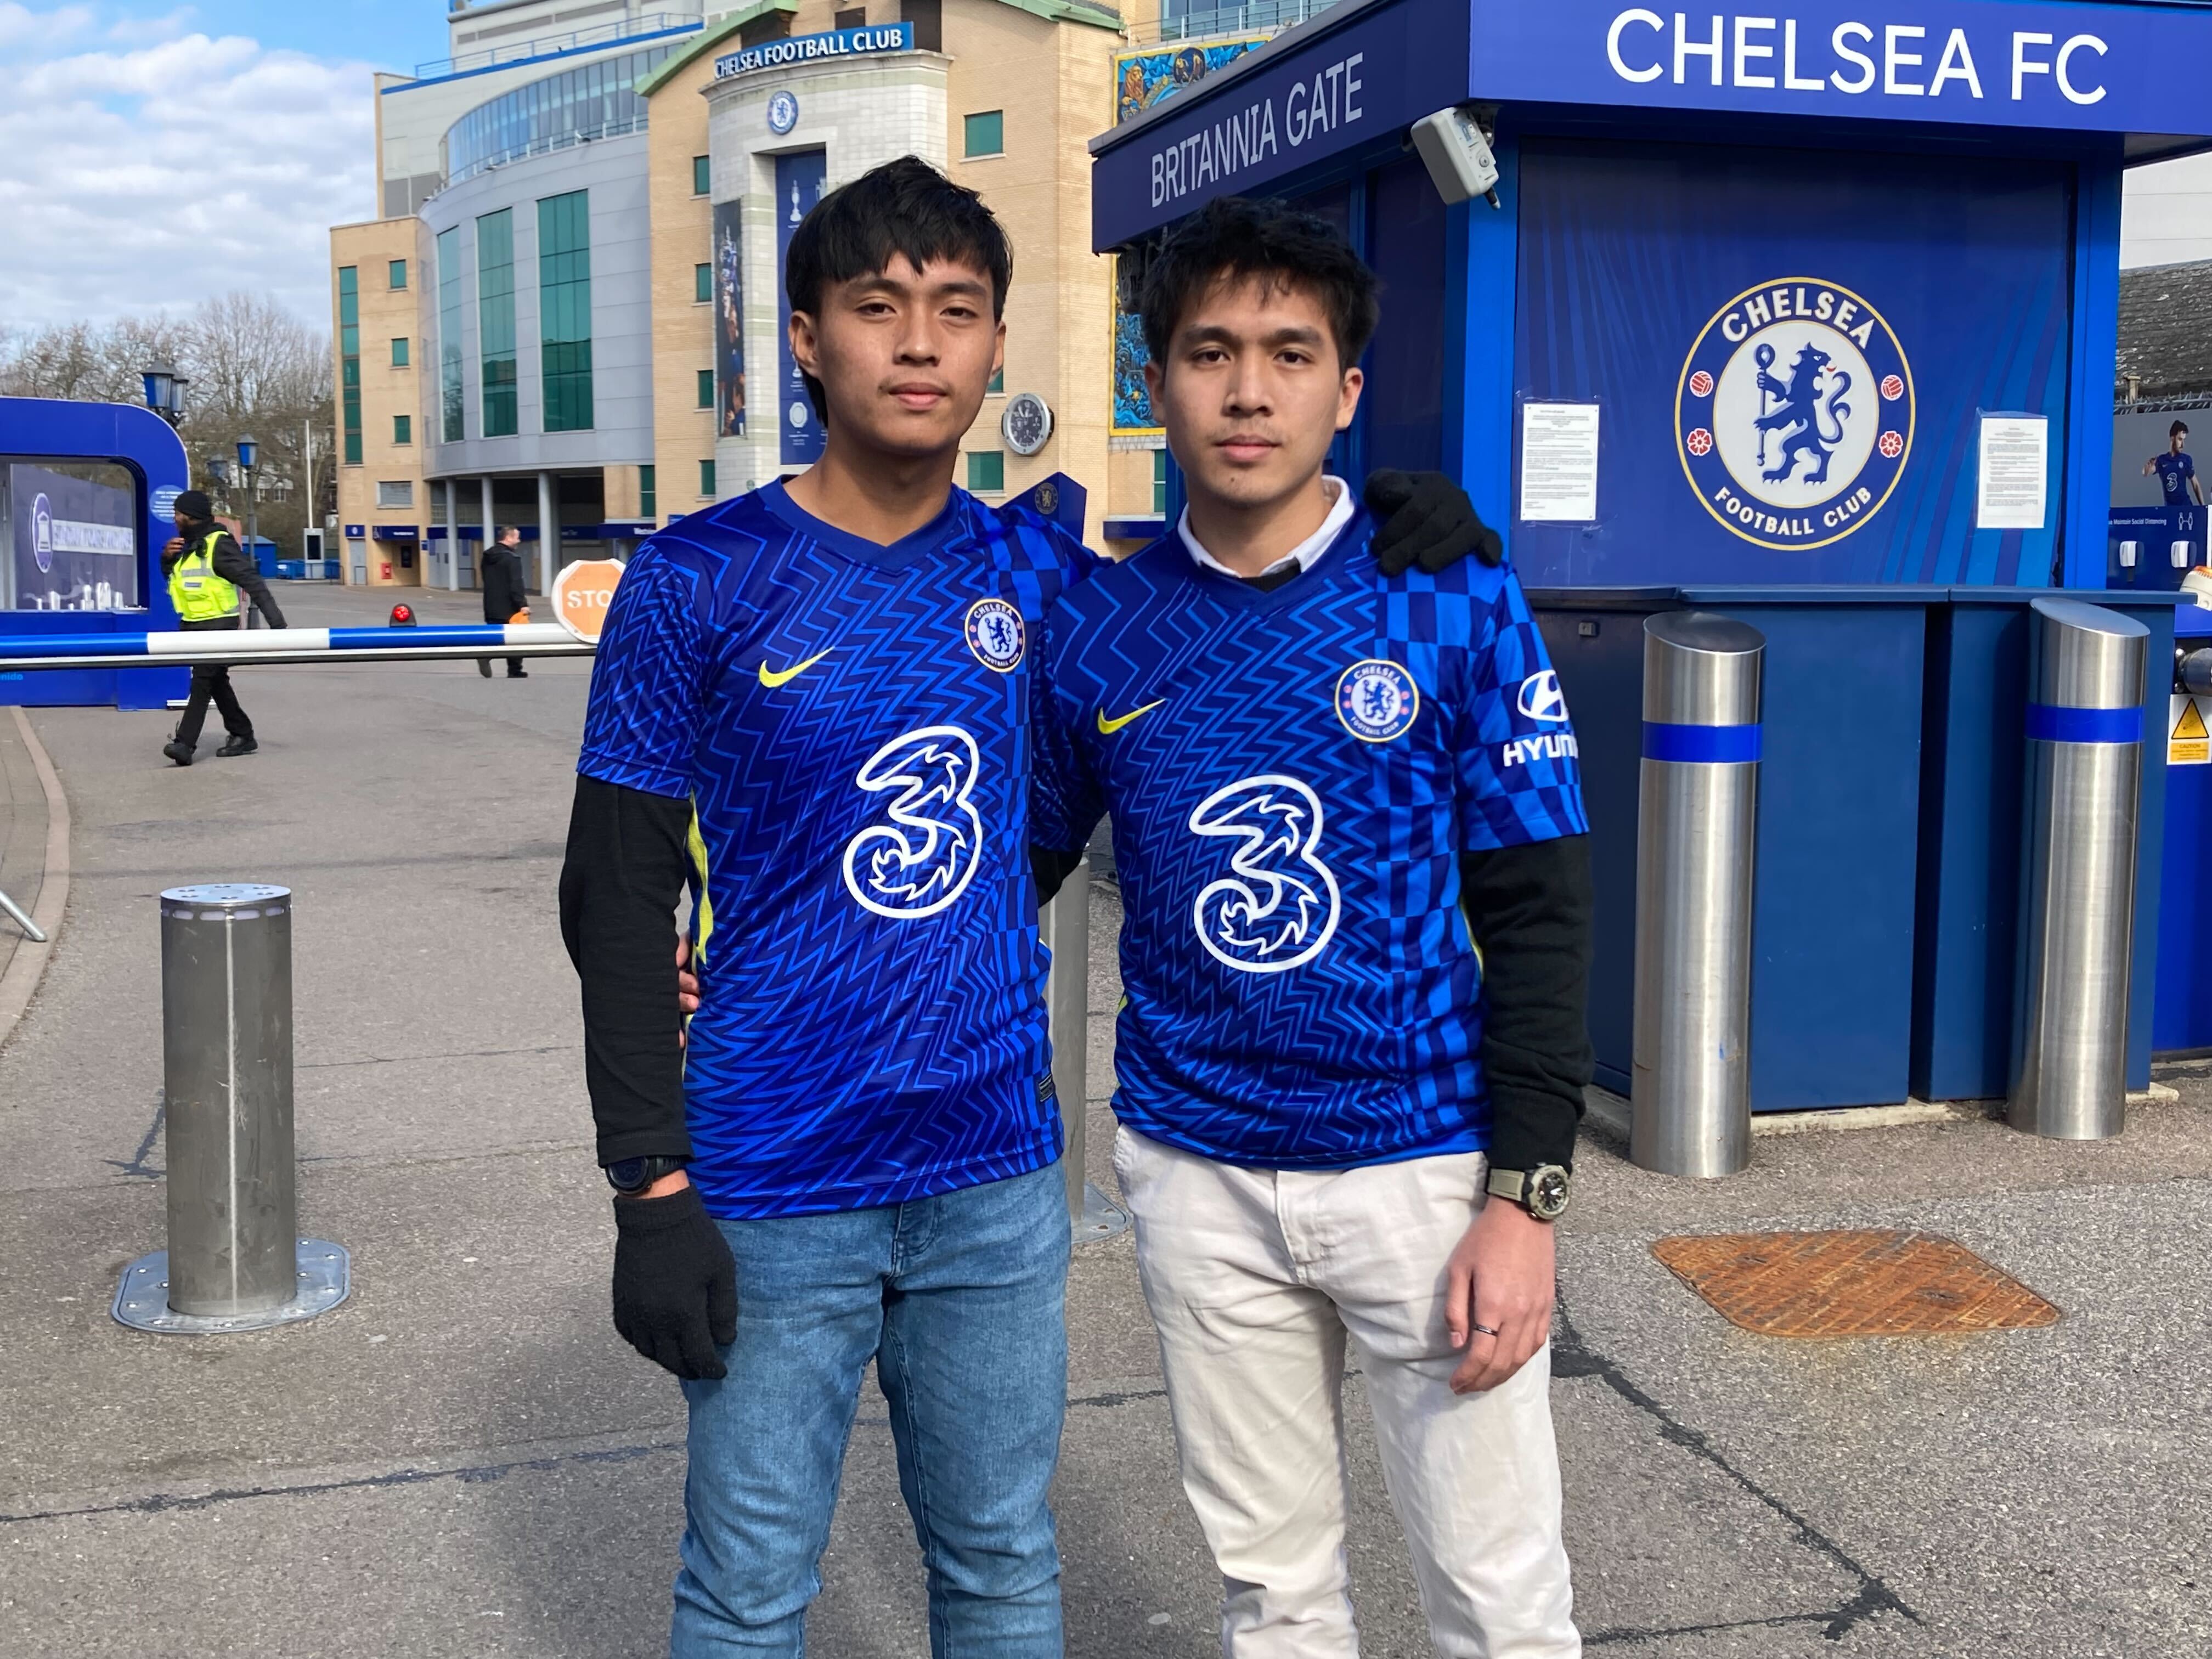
(249,455)
(165,391)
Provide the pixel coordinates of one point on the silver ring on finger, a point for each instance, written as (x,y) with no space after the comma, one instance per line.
(1486,1330)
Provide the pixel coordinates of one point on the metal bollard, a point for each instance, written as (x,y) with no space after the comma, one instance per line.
(235,1261)
(2085,724)
(1690,1098)
(1065,927)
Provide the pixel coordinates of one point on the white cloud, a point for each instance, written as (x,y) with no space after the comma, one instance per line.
(145,169)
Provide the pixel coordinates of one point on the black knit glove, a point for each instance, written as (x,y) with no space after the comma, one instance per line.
(675,1286)
(1425,518)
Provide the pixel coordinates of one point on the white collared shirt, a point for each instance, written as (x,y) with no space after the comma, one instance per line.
(1304,557)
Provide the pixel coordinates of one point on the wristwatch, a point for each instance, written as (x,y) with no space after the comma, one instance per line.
(1541,1191)
(631,1175)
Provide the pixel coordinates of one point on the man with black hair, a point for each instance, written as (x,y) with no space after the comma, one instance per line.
(1350,834)
(2177,468)
(207,572)
(814,703)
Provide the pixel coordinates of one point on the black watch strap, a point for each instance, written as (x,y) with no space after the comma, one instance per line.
(632,1175)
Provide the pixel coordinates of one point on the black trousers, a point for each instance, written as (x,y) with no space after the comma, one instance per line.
(212,681)
(513,666)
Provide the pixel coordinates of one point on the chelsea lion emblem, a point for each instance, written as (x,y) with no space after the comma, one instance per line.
(1376,700)
(995,635)
(1794,415)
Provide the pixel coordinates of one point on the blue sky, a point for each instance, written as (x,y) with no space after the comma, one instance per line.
(390,34)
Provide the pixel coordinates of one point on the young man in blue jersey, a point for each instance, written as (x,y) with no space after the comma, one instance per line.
(2177,468)
(812,703)
(1350,835)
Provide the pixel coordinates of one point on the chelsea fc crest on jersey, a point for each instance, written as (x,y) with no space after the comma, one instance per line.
(996,635)
(1793,414)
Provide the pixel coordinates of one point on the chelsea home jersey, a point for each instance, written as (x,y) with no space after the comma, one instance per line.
(851,725)
(1292,774)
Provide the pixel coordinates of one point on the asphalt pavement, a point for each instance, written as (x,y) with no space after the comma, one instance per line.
(464,1459)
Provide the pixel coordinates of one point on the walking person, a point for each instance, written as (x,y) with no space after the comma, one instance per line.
(207,571)
(505,598)
(1350,834)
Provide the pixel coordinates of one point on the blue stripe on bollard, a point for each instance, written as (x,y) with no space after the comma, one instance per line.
(2048,723)
(1722,745)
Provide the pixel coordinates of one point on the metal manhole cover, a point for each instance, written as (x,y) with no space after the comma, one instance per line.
(1869,1282)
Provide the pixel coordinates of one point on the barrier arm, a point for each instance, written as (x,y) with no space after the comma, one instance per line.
(241,648)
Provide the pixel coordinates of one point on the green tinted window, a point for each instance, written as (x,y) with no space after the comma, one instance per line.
(705,388)
(399,273)
(648,495)
(403,428)
(399,353)
(495,321)
(1160,481)
(703,283)
(987,472)
(702,175)
(706,478)
(987,133)
(449,335)
(564,310)
(998,387)
(350,363)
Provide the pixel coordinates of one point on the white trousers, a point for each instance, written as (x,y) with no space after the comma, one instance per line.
(1255,1279)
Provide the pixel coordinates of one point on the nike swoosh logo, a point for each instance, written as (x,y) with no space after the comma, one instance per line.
(1107,728)
(772,678)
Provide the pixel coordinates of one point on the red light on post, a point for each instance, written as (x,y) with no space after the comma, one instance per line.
(403,615)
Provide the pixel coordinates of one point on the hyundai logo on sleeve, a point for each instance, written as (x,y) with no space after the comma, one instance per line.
(1541,699)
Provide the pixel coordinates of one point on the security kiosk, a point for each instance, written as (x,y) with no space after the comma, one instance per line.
(1806,320)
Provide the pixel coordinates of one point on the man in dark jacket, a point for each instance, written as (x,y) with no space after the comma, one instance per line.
(504,597)
(206,572)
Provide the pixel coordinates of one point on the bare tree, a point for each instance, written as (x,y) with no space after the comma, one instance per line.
(255,368)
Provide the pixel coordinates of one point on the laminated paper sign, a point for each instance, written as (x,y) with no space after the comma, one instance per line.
(1558,462)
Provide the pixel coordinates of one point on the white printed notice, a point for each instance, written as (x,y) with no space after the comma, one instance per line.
(1558,462)
(2015,473)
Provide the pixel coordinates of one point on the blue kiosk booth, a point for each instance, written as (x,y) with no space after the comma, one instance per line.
(1807,318)
(87,489)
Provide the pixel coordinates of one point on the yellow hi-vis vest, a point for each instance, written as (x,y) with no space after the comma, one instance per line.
(197,592)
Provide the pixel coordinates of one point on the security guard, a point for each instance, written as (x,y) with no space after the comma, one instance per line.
(206,570)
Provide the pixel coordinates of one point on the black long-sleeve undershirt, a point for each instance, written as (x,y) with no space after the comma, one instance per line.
(1529,909)
(619,888)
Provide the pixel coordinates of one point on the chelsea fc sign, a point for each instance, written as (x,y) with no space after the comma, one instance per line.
(1794,413)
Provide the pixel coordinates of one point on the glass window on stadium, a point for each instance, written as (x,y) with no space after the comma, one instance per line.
(349,358)
(450,421)
(564,309)
(598,100)
(496,319)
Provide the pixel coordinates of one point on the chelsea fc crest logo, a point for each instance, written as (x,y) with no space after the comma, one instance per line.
(1793,416)
(995,635)
(1376,700)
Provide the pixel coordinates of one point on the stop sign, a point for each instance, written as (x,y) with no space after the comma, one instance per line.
(582,593)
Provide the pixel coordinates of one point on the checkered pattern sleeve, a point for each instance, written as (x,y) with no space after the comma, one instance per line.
(643,722)
(1518,779)
(1067,797)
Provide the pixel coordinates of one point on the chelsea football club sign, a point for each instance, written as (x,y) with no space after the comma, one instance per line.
(1794,413)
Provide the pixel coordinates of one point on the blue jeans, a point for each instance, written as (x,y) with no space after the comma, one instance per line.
(959,1300)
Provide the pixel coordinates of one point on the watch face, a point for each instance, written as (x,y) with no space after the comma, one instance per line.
(626,1174)
(1548,1192)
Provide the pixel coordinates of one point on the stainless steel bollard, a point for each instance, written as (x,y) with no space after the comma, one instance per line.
(2085,725)
(1690,1096)
(235,1261)
(1065,927)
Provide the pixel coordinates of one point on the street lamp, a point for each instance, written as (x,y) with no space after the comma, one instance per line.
(165,391)
(249,452)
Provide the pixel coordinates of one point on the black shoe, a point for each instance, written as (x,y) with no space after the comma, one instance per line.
(178,752)
(518,673)
(238,747)
(483,666)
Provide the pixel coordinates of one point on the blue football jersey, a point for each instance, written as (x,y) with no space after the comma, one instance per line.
(1292,774)
(2174,473)
(852,725)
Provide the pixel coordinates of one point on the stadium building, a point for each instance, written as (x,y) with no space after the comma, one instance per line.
(570,316)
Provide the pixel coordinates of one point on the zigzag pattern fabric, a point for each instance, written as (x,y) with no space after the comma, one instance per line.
(1292,774)
(850,723)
